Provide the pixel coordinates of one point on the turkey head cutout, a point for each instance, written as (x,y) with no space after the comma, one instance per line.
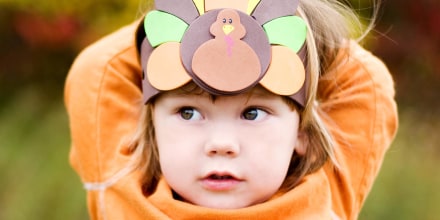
(226,63)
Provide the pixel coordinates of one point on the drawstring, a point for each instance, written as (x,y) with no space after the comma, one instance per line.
(334,215)
(102,186)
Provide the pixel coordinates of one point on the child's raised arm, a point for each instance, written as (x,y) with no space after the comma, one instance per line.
(103,99)
(357,101)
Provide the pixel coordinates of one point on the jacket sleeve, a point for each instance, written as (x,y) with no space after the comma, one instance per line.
(103,99)
(358,107)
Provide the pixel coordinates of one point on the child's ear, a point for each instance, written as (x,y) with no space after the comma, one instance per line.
(302,143)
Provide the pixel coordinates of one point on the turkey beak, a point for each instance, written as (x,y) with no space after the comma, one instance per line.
(227,29)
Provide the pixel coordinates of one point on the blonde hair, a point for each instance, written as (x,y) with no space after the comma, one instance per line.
(330,25)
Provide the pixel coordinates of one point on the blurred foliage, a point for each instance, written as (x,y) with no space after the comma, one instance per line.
(36,180)
(407,186)
(40,39)
(101,15)
(407,39)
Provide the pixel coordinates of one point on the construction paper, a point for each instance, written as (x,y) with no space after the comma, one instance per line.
(183,9)
(200,5)
(164,69)
(199,32)
(252,5)
(161,27)
(301,96)
(286,73)
(226,63)
(145,51)
(268,10)
(225,51)
(289,31)
(241,5)
(228,24)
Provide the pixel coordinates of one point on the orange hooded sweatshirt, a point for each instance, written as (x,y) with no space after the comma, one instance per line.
(103,98)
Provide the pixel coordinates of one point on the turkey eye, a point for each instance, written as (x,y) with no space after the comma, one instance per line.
(224,20)
(230,21)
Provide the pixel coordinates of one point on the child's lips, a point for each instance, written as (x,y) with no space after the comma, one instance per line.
(220,181)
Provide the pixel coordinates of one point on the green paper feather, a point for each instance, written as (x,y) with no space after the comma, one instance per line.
(289,31)
(161,27)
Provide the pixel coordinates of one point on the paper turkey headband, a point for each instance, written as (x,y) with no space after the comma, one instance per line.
(224,46)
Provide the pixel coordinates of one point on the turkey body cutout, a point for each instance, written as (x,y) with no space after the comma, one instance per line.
(227,63)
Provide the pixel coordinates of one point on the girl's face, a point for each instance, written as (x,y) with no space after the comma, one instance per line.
(229,153)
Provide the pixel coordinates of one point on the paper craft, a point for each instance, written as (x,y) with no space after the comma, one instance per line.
(292,37)
(199,32)
(183,9)
(216,4)
(200,4)
(268,10)
(252,4)
(286,73)
(225,46)
(164,70)
(162,27)
(226,62)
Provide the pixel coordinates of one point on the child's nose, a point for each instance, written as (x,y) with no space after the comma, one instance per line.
(222,148)
(223,143)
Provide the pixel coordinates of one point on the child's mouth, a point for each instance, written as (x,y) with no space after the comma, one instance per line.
(220,182)
(220,177)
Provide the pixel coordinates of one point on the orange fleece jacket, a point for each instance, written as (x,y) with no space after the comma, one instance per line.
(103,99)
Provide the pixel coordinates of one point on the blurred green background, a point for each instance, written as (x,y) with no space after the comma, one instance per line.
(40,39)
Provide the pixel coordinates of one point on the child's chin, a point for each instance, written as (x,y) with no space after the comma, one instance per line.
(232,203)
(224,206)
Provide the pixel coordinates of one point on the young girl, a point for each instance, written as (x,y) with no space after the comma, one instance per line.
(251,110)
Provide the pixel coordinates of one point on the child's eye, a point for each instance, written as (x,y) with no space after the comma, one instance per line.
(189,113)
(254,114)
